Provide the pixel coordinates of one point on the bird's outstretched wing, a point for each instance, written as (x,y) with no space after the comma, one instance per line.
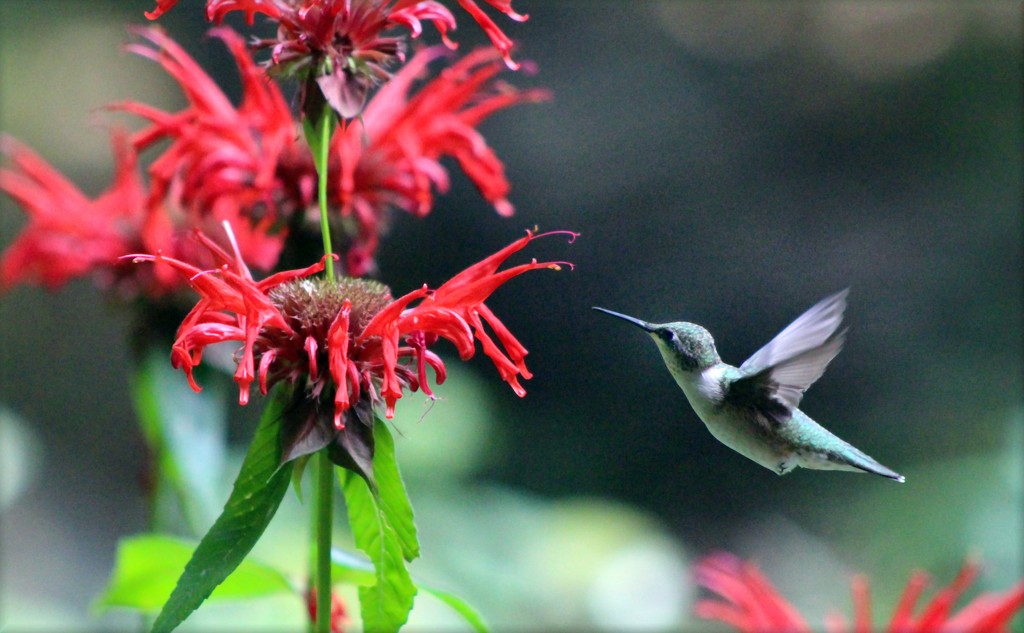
(777,375)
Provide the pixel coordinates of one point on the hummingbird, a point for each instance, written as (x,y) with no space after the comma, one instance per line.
(752,408)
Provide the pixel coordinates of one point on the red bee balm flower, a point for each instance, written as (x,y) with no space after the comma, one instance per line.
(218,163)
(349,33)
(391,156)
(752,605)
(222,162)
(345,343)
(69,235)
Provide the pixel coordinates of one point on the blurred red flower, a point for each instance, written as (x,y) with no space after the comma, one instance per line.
(68,234)
(221,162)
(345,343)
(247,166)
(339,617)
(750,603)
(391,156)
(218,163)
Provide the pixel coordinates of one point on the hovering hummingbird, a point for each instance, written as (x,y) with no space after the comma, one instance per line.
(752,408)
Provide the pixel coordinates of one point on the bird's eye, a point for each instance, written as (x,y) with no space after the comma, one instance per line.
(667,335)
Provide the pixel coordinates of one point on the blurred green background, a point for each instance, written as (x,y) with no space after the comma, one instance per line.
(727,163)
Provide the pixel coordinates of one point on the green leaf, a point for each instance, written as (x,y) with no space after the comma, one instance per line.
(468,613)
(346,567)
(257,493)
(385,604)
(147,566)
(383,527)
(187,432)
(391,493)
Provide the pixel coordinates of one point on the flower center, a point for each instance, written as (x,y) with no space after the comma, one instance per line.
(312,304)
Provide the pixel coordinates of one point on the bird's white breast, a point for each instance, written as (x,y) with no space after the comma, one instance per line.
(705,392)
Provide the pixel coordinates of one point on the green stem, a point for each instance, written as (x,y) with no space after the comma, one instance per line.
(325,129)
(318,135)
(323,523)
(318,129)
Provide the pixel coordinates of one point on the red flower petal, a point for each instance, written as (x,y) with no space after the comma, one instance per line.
(337,352)
(69,235)
(751,604)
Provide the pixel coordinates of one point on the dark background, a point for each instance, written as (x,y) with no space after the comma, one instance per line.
(727,164)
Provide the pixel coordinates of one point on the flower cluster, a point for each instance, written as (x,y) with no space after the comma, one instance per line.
(348,344)
(221,163)
(752,605)
(344,47)
(391,156)
(246,165)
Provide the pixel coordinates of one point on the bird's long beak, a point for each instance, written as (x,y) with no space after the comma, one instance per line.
(647,327)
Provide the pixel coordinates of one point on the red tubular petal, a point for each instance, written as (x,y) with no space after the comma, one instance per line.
(391,100)
(478,281)
(903,616)
(433,12)
(938,609)
(202,334)
(736,618)
(162,7)
(505,6)
(515,349)
(751,602)
(496,35)
(265,361)
(386,318)
(199,87)
(476,292)
(440,373)
(443,322)
(421,374)
(310,346)
(861,604)
(353,381)
(777,613)
(245,373)
(391,387)
(285,276)
(337,354)
(506,368)
(217,9)
(181,359)
(989,612)
(36,180)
